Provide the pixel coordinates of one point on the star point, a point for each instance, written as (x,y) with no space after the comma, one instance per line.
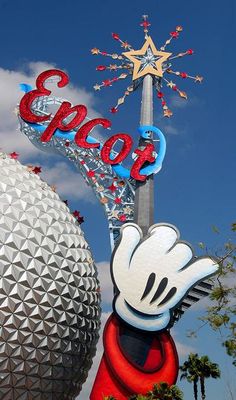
(115,214)
(171,84)
(168,113)
(198,78)
(97,87)
(147,60)
(95,51)
(128,210)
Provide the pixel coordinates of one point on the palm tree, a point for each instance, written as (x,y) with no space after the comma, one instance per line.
(161,391)
(208,370)
(191,373)
(198,369)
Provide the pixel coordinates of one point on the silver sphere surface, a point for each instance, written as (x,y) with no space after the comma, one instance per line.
(49,293)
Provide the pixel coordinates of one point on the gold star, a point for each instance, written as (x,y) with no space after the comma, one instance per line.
(114,214)
(95,51)
(127,210)
(171,84)
(198,78)
(156,70)
(30,168)
(113,67)
(103,200)
(100,188)
(97,87)
(168,113)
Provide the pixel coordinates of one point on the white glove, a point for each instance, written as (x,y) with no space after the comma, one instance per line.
(153,275)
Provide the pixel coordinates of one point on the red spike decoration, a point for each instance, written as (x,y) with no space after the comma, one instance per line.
(131,66)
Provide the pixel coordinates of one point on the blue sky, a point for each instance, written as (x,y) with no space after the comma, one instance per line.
(196,187)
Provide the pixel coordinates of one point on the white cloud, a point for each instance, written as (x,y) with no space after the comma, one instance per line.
(178,102)
(10,95)
(106,284)
(167,127)
(68,182)
(87,387)
(61,174)
(107,296)
(171,129)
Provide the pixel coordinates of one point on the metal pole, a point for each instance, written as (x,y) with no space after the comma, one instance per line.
(134,342)
(144,193)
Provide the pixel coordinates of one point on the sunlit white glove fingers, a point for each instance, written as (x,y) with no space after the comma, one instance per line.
(179,256)
(131,235)
(141,321)
(200,269)
(184,279)
(161,239)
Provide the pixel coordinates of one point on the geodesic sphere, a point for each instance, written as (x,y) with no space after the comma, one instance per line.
(49,294)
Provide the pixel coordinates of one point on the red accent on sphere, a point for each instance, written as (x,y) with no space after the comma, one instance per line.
(36,170)
(108,145)
(183,75)
(115,36)
(143,156)
(174,88)
(160,95)
(80,220)
(14,155)
(63,112)
(114,110)
(83,131)
(190,52)
(174,34)
(76,213)
(117,200)
(114,79)
(90,173)
(82,162)
(163,103)
(104,53)
(122,218)
(28,98)
(67,143)
(102,176)
(101,68)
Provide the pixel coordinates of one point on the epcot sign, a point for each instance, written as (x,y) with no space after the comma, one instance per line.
(78,114)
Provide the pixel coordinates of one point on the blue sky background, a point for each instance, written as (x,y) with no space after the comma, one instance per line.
(196,187)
